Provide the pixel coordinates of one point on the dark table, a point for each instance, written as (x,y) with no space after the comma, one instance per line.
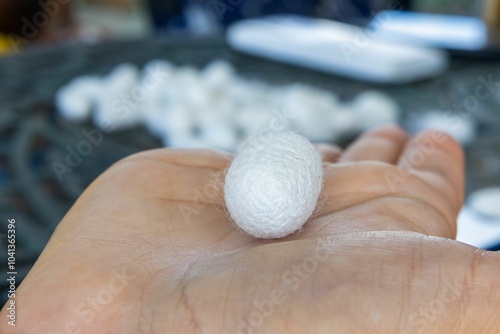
(32,137)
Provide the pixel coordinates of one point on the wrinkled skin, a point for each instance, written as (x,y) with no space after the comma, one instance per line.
(148,248)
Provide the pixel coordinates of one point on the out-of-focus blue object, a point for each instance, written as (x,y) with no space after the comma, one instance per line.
(214,15)
(195,16)
(458,33)
(495,248)
(336,48)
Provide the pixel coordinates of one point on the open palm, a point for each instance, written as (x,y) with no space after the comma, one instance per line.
(149,248)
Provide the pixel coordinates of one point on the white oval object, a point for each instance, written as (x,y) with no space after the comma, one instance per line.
(153,118)
(157,70)
(306,115)
(218,73)
(75,100)
(273,184)
(486,202)
(220,135)
(374,108)
(118,107)
(72,105)
(461,128)
(122,74)
(178,120)
(112,113)
(185,142)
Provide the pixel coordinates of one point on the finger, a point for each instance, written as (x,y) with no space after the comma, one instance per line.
(329,153)
(366,191)
(439,160)
(381,144)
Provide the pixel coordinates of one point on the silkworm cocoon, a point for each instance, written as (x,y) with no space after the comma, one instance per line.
(121,80)
(252,119)
(72,105)
(464,131)
(153,118)
(118,106)
(273,184)
(110,114)
(218,74)
(219,135)
(374,108)
(75,100)
(344,121)
(485,202)
(308,110)
(178,120)
(198,96)
(179,141)
(156,71)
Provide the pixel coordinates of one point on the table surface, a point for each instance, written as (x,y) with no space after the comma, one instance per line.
(32,137)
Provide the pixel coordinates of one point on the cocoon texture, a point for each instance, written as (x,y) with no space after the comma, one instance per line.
(273,184)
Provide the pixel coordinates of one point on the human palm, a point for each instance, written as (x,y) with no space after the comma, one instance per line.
(149,248)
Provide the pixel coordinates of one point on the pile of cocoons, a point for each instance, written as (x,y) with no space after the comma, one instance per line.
(215,108)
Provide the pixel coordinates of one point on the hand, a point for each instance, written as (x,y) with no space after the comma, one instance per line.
(148,248)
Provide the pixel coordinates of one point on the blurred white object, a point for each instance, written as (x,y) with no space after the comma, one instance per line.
(218,74)
(251,120)
(486,202)
(345,121)
(443,31)
(463,129)
(154,119)
(373,108)
(213,107)
(178,121)
(118,105)
(75,100)
(121,78)
(335,48)
(155,73)
(188,142)
(477,230)
(222,136)
(479,221)
(308,111)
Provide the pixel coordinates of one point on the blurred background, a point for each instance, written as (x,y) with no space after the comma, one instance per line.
(66,66)
(96,19)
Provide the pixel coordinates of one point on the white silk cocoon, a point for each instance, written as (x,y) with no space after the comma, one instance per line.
(273,184)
